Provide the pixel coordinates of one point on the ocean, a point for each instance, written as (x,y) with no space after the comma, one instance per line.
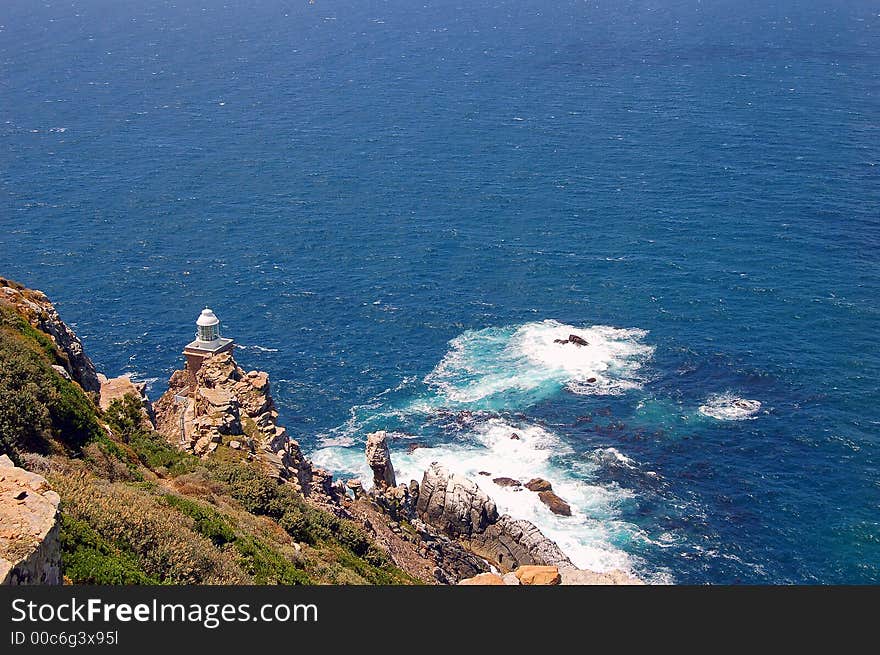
(395,208)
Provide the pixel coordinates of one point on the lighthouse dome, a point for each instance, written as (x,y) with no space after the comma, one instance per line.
(208,326)
(206,318)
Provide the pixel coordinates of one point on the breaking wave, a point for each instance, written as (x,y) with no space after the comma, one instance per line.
(507,368)
(728,407)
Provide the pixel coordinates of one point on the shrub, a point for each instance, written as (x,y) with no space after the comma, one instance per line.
(87,558)
(37,404)
(162,540)
(125,416)
(208,522)
(155,453)
(268,566)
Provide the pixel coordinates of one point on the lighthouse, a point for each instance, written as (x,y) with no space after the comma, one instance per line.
(207,343)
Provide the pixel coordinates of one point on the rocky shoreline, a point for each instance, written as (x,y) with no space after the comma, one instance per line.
(444,524)
(443,529)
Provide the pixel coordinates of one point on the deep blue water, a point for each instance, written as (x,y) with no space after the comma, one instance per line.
(385,202)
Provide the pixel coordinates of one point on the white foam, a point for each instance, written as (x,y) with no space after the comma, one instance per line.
(586,536)
(612,456)
(729,407)
(486,364)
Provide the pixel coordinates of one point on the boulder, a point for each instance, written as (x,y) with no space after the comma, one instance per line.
(538,484)
(113,388)
(555,503)
(507,482)
(510,579)
(30,550)
(356,487)
(484,579)
(486,473)
(578,341)
(379,459)
(563,341)
(514,436)
(570,576)
(538,575)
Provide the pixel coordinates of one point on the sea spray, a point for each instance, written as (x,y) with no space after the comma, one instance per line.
(460,416)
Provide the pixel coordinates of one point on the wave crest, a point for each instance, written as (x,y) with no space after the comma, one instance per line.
(497,367)
(728,407)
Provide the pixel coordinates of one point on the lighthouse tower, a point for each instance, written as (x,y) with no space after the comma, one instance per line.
(207,343)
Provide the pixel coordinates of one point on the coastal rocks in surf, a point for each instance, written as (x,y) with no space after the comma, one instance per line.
(39,311)
(458,508)
(554,503)
(547,496)
(230,405)
(573,338)
(538,484)
(379,459)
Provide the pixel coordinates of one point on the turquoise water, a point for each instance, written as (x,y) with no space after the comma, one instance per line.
(395,209)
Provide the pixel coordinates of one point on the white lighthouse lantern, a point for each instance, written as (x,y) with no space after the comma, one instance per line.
(208,327)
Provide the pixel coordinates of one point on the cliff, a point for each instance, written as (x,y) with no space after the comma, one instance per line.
(205,487)
(232,413)
(41,314)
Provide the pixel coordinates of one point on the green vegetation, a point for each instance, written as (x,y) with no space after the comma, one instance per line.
(40,410)
(91,559)
(125,416)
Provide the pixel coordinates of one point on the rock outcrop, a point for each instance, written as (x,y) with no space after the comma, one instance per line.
(30,551)
(572,577)
(458,508)
(38,310)
(538,485)
(117,388)
(484,579)
(379,459)
(538,575)
(231,405)
(555,503)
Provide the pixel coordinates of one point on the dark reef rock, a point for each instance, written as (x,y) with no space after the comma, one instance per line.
(538,484)
(555,503)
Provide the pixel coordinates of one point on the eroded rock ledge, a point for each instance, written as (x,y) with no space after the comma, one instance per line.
(30,552)
(233,408)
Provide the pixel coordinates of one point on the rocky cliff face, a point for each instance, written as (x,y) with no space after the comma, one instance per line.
(234,409)
(460,530)
(38,310)
(30,552)
(459,508)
